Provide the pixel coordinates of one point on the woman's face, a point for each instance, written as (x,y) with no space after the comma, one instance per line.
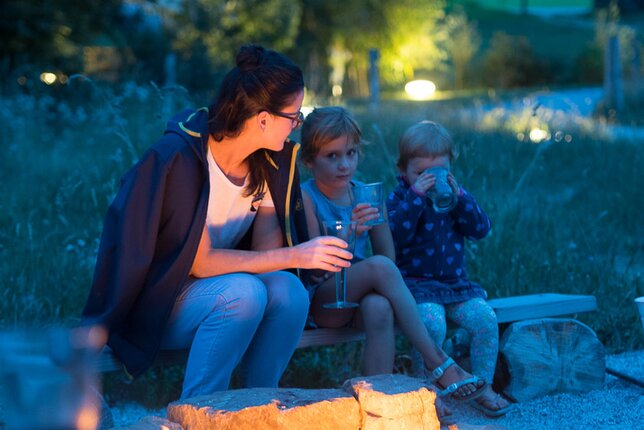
(280,124)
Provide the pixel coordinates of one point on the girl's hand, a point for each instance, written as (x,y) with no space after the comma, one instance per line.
(362,213)
(451,180)
(424,182)
(323,252)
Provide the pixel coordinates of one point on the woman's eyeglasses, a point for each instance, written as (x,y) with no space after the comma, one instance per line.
(296,118)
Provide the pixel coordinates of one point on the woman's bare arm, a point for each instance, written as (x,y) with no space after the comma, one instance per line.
(326,253)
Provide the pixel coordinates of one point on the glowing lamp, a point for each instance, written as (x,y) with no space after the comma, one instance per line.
(420,89)
(538,135)
(48,77)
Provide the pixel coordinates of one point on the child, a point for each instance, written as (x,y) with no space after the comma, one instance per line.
(431,256)
(330,143)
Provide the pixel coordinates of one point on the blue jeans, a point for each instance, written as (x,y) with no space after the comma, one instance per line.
(252,320)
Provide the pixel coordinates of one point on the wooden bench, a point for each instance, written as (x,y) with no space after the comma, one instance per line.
(508,309)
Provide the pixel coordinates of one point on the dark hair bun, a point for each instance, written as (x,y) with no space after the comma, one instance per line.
(250,57)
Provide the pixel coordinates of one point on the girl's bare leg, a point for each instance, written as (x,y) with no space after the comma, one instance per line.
(379,274)
(376,317)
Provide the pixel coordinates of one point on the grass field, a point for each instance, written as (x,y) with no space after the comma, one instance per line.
(567,212)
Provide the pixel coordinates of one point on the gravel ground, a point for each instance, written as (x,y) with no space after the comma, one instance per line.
(619,405)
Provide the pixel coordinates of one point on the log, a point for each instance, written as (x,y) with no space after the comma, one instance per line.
(551,355)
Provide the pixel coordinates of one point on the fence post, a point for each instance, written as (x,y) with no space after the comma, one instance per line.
(374,79)
(613,82)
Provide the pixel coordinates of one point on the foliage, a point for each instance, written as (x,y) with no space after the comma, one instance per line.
(589,65)
(411,36)
(52,34)
(405,33)
(607,25)
(503,68)
(220,27)
(461,44)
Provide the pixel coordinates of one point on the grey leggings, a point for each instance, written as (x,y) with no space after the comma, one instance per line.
(478,319)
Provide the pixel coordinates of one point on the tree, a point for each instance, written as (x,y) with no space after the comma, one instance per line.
(412,37)
(503,68)
(461,43)
(404,31)
(51,34)
(223,26)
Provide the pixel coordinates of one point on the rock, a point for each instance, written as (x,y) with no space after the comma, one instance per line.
(394,402)
(152,423)
(268,408)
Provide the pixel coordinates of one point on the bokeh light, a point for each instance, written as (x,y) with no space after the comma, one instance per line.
(420,89)
(48,77)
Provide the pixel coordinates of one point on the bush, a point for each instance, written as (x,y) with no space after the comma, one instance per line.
(510,63)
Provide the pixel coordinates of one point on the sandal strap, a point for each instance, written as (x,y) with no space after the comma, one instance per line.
(456,385)
(438,372)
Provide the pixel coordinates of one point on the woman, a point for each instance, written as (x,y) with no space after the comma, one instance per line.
(196,240)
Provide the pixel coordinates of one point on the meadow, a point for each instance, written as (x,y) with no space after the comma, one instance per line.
(567,211)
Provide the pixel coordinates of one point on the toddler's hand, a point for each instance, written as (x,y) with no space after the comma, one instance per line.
(451,180)
(362,213)
(424,182)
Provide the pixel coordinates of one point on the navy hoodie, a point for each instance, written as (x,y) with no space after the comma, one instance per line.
(152,230)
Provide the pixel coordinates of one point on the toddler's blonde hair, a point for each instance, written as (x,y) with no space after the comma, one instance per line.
(425,139)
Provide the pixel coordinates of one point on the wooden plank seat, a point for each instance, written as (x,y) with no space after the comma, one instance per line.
(508,309)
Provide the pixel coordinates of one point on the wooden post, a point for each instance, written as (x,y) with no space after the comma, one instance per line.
(635,63)
(613,82)
(551,355)
(374,79)
(170,69)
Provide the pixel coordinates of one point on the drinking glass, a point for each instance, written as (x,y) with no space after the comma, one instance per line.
(372,194)
(441,194)
(345,230)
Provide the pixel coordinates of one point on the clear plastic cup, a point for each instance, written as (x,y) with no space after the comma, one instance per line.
(441,194)
(373,194)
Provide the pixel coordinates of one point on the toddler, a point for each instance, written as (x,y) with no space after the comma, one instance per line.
(431,257)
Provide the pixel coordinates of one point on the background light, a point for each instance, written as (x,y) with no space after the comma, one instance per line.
(420,89)
(48,77)
(537,135)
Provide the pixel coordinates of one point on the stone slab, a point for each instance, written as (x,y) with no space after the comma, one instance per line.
(268,408)
(394,402)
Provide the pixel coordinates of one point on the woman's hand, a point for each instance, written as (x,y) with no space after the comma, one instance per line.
(323,252)
(362,213)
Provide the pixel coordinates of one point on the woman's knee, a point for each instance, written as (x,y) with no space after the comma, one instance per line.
(286,293)
(248,295)
(377,311)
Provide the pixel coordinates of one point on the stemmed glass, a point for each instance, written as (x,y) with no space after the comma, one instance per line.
(345,230)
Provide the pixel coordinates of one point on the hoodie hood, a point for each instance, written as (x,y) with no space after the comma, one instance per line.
(192,126)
